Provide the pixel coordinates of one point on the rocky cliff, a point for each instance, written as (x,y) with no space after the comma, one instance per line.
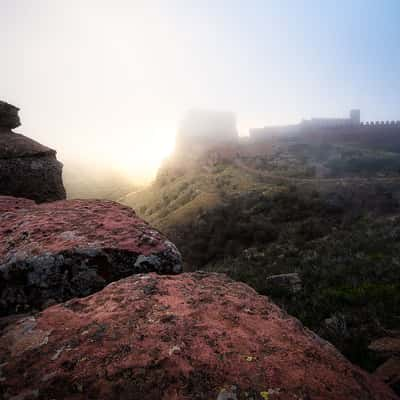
(55,251)
(190,336)
(27,168)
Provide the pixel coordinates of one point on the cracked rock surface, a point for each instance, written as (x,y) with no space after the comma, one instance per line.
(52,252)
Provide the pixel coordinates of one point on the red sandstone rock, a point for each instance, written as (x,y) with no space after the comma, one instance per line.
(52,252)
(191,336)
(9,203)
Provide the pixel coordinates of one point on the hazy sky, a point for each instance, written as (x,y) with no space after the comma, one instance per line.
(109,80)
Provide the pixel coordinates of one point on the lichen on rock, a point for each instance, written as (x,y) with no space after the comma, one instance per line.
(52,252)
(180,337)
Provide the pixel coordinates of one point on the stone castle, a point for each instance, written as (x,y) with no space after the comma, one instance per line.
(211,136)
(203,131)
(200,128)
(315,126)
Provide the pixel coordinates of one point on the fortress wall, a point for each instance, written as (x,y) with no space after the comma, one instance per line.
(380,136)
(369,129)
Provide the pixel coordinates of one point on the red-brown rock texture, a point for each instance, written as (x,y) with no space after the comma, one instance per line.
(191,336)
(9,203)
(52,252)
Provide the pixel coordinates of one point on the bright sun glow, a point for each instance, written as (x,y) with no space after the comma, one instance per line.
(140,156)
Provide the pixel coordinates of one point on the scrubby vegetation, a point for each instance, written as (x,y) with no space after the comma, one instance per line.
(350,277)
(254,218)
(307,160)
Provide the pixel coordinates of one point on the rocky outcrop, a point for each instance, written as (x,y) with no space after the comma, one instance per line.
(27,168)
(191,336)
(387,349)
(389,372)
(55,251)
(386,346)
(9,117)
(285,282)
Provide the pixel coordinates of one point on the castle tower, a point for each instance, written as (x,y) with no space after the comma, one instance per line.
(355,117)
(204,129)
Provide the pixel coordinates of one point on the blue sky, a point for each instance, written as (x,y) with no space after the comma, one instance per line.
(109,80)
(284,59)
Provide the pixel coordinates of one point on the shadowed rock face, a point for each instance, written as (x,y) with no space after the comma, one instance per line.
(52,252)
(27,168)
(9,115)
(191,336)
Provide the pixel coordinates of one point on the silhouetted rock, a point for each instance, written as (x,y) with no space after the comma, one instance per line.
(191,336)
(27,168)
(52,252)
(9,116)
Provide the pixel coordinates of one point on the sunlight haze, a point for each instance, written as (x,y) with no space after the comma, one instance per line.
(107,82)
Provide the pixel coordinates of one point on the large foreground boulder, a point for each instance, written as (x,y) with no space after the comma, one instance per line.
(191,336)
(52,252)
(27,168)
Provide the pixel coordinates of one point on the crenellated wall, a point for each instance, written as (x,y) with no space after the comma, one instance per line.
(372,124)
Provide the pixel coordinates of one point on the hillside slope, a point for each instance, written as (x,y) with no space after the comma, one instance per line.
(326,214)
